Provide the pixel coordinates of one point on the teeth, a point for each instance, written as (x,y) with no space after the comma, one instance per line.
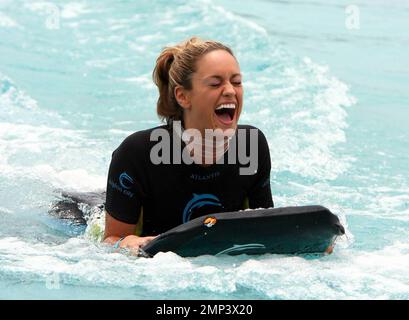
(226,106)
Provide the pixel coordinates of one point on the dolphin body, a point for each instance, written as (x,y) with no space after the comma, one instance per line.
(73,205)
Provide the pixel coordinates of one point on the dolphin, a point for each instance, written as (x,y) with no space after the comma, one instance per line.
(71,205)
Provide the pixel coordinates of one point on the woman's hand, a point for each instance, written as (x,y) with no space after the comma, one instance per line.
(133,243)
(115,229)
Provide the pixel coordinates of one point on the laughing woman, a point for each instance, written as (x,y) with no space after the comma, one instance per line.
(200,89)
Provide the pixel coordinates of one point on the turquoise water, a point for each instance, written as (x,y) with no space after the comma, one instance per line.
(332,101)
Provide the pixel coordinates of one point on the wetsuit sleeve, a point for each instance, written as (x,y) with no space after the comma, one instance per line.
(124,196)
(259,194)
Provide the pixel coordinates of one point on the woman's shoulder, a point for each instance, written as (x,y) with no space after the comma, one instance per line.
(138,141)
(142,136)
(250,128)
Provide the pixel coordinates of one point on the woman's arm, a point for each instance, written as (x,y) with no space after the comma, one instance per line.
(125,193)
(115,230)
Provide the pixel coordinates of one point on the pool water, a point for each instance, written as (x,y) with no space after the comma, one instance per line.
(333,102)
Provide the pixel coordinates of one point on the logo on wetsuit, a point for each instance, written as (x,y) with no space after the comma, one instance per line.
(125,183)
(199,201)
(209,176)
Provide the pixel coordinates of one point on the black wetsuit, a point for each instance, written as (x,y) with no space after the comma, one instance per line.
(169,194)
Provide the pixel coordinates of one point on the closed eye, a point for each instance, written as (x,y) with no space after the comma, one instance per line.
(235,83)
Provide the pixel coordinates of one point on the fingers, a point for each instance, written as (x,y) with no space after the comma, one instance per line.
(150,238)
(145,241)
(134,243)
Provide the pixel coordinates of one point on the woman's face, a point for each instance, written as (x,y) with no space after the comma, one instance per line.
(216,98)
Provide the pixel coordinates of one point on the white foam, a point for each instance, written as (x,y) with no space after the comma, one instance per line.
(5,210)
(37,146)
(41,7)
(73,10)
(342,275)
(304,137)
(388,203)
(120,132)
(378,202)
(138,47)
(149,37)
(11,96)
(167,18)
(210,9)
(35,139)
(75,179)
(95,218)
(144,81)
(100,63)
(66,11)
(7,22)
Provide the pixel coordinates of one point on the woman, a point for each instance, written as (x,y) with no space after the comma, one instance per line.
(200,88)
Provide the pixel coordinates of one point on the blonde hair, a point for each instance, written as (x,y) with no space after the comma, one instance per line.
(175,67)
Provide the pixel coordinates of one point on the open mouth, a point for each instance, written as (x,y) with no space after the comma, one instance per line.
(225,113)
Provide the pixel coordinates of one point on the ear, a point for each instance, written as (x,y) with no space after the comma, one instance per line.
(182,97)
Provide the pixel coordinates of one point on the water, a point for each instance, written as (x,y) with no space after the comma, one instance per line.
(333,103)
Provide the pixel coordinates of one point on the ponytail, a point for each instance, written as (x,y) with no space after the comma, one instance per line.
(167,106)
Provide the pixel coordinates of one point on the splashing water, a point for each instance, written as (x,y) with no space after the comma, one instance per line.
(75,80)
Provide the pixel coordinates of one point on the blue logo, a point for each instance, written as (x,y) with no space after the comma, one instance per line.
(198,201)
(125,181)
(240,248)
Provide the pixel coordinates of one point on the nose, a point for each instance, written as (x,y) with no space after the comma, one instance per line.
(228,90)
